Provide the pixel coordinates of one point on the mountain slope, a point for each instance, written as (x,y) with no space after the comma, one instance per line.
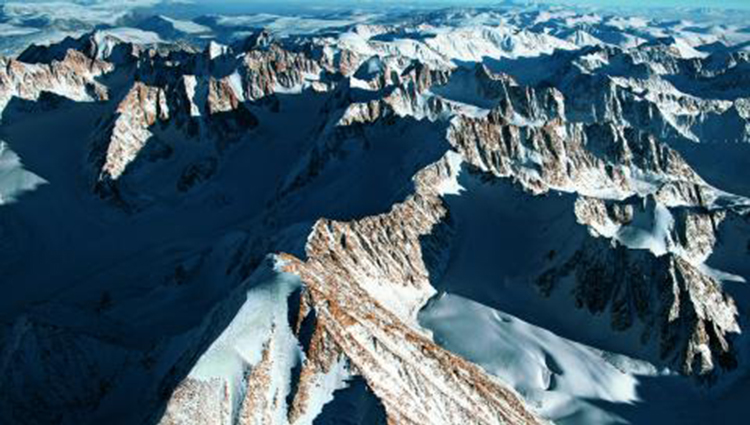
(435,217)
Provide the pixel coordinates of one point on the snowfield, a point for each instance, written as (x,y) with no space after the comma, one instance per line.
(563,379)
(14,179)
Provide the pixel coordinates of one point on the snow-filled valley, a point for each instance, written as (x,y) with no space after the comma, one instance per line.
(510,214)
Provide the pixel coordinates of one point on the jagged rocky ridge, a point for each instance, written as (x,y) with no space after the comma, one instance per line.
(346,304)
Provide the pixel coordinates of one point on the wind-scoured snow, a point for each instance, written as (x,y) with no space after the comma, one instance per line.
(562,379)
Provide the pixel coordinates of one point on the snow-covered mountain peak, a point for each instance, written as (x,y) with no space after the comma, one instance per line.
(518,214)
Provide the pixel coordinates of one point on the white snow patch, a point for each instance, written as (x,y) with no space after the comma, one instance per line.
(133,35)
(649,231)
(559,377)
(403,300)
(451,186)
(235,82)
(241,344)
(214,49)
(242,341)
(188,27)
(191,84)
(14,179)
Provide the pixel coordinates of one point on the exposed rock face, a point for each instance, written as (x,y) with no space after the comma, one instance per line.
(579,157)
(141,108)
(288,334)
(97,46)
(204,98)
(656,90)
(214,406)
(363,281)
(276,70)
(682,308)
(358,305)
(216,111)
(72,77)
(685,306)
(689,298)
(350,276)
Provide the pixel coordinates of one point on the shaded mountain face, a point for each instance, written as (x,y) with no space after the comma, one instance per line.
(463,216)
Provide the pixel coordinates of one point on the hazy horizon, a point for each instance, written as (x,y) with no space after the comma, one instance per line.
(263,4)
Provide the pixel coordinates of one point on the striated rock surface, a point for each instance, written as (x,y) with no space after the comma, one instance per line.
(364,295)
(281,209)
(72,77)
